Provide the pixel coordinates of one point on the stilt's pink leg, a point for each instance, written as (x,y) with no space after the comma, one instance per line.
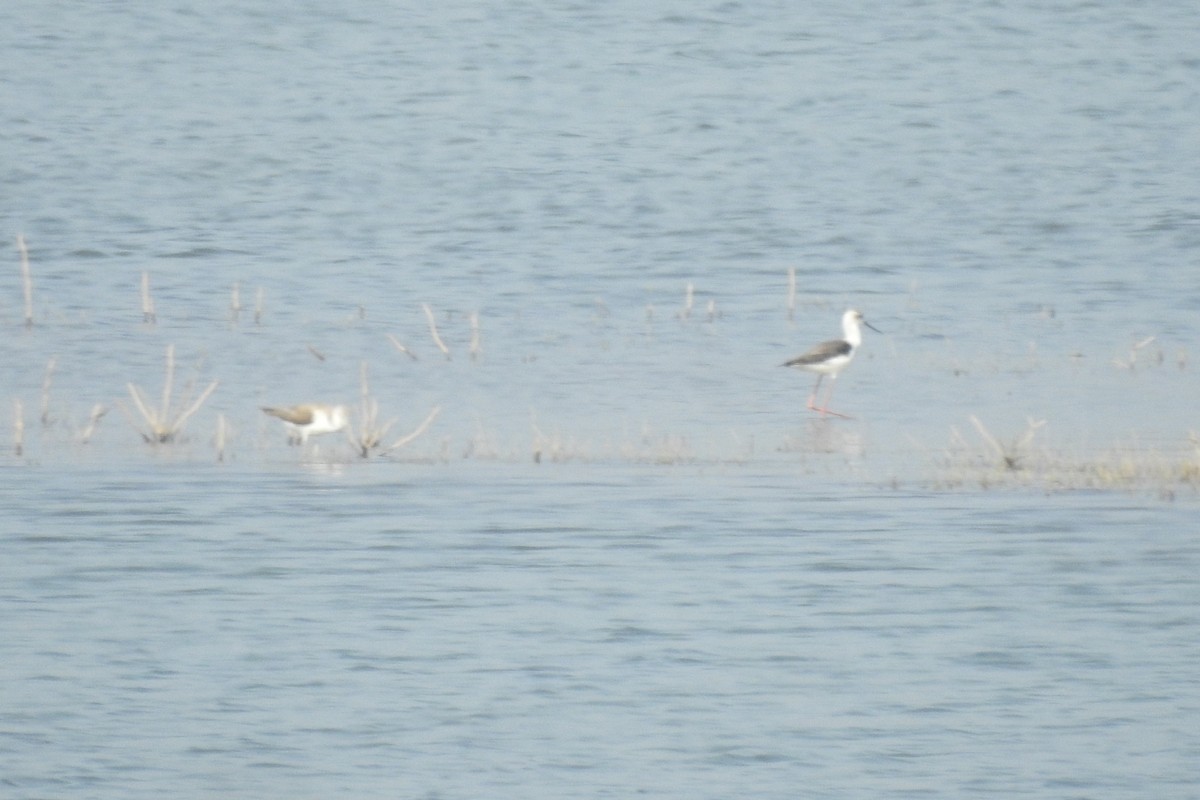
(828,395)
(812,398)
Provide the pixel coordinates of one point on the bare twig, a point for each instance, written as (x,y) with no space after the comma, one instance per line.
(177,425)
(396,344)
(26,280)
(539,438)
(476,349)
(791,293)
(420,429)
(168,382)
(148,315)
(18,427)
(1026,438)
(433,331)
(689,299)
(987,436)
(151,417)
(221,437)
(317,354)
(235,302)
(1131,362)
(50,365)
(98,412)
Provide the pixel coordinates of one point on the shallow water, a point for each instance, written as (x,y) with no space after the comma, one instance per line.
(699,590)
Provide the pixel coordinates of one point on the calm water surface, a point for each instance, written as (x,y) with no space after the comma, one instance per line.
(700,591)
(479,630)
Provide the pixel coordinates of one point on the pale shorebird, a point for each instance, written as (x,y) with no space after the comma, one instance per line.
(830,358)
(309,419)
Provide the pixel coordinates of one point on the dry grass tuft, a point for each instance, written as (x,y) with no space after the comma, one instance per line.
(1119,468)
(369,435)
(1013,454)
(161,425)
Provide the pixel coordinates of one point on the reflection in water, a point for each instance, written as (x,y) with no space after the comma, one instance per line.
(827,435)
(328,466)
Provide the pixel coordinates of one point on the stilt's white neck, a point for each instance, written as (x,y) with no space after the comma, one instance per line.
(851,329)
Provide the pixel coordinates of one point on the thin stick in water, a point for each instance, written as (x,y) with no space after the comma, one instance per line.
(235,302)
(396,344)
(1131,363)
(476,348)
(177,425)
(689,299)
(168,383)
(992,441)
(157,429)
(26,280)
(46,390)
(221,435)
(258,306)
(18,427)
(148,315)
(419,430)
(437,339)
(791,294)
(98,411)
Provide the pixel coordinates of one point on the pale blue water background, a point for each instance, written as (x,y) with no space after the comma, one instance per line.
(1009,191)
(476,630)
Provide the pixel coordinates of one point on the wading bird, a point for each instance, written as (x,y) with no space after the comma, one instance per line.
(830,358)
(309,420)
